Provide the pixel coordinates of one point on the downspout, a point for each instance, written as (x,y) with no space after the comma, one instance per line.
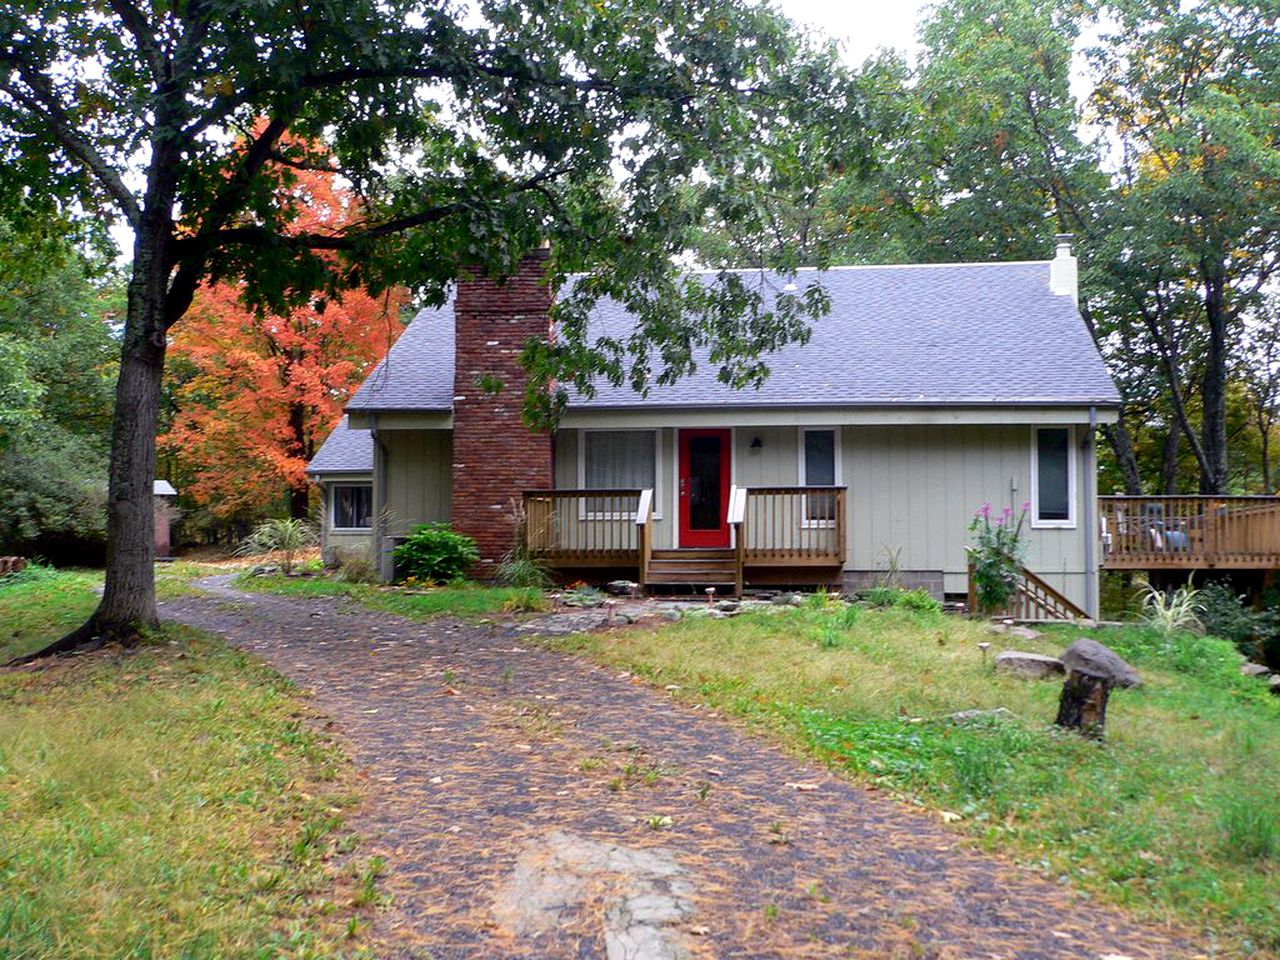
(1091,520)
(381,555)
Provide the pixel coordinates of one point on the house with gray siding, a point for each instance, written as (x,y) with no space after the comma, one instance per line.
(925,392)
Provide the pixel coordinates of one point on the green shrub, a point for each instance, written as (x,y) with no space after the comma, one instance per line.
(32,573)
(434,551)
(918,599)
(880,596)
(1224,614)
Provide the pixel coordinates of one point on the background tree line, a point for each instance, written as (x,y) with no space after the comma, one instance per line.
(1151,131)
(1147,130)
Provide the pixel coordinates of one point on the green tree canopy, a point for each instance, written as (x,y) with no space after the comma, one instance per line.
(470,141)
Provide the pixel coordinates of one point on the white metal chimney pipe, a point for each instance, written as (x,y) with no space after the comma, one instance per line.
(1064,273)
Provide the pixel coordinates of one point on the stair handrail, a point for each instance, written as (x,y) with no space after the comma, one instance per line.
(737,520)
(1034,594)
(644,532)
(1042,590)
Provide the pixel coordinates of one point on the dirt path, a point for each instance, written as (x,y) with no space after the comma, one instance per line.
(521,799)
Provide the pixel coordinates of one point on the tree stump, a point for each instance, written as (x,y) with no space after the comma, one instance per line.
(1083,706)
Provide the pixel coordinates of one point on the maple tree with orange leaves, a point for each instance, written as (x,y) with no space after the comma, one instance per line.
(257,393)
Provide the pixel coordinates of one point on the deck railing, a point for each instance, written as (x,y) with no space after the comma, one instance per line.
(794,526)
(588,527)
(771,526)
(1190,532)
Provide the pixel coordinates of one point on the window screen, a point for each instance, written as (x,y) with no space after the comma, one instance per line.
(819,458)
(820,471)
(353,506)
(619,460)
(1053,497)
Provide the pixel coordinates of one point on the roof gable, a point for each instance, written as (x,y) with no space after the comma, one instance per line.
(345,450)
(947,334)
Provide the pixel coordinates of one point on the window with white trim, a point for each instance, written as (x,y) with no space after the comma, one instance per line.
(819,467)
(618,460)
(352,506)
(1053,477)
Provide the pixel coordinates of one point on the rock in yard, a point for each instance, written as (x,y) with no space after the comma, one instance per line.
(1255,670)
(1275,685)
(1092,658)
(1024,633)
(1029,666)
(728,606)
(622,588)
(968,716)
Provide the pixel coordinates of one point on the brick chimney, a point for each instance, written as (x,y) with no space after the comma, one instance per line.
(495,456)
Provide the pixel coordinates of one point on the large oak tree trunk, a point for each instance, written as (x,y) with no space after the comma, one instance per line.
(128,605)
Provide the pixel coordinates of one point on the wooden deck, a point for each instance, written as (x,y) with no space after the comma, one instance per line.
(1190,533)
(778,535)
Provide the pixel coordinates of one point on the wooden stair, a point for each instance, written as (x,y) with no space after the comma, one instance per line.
(695,568)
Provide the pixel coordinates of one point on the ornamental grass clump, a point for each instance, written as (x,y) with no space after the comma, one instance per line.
(996,552)
(281,537)
(1173,611)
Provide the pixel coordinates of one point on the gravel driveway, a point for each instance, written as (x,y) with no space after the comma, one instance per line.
(530,804)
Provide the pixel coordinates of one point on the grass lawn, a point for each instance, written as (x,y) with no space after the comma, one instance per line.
(40,605)
(1176,816)
(469,601)
(171,802)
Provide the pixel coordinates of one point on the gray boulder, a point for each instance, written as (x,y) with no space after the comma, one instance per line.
(622,588)
(1255,670)
(1275,685)
(1024,633)
(1092,658)
(1029,666)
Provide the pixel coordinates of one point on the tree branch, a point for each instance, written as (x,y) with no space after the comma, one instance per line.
(144,37)
(52,113)
(225,205)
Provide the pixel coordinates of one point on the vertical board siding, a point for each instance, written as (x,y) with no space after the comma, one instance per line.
(419,478)
(917,488)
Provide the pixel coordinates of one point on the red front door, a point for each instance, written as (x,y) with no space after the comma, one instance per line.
(704,488)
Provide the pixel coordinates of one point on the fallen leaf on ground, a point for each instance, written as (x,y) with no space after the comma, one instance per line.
(802,787)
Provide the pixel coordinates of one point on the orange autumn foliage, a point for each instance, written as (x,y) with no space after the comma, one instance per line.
(257,394)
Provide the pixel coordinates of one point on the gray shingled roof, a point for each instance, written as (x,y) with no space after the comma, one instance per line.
(950,334)
(344,451)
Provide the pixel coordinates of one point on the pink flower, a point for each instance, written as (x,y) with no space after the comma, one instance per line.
(985,512)
(1007,512)
(1000,521)
(1026,505)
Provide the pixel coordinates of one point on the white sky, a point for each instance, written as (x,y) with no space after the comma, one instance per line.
(861,26)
